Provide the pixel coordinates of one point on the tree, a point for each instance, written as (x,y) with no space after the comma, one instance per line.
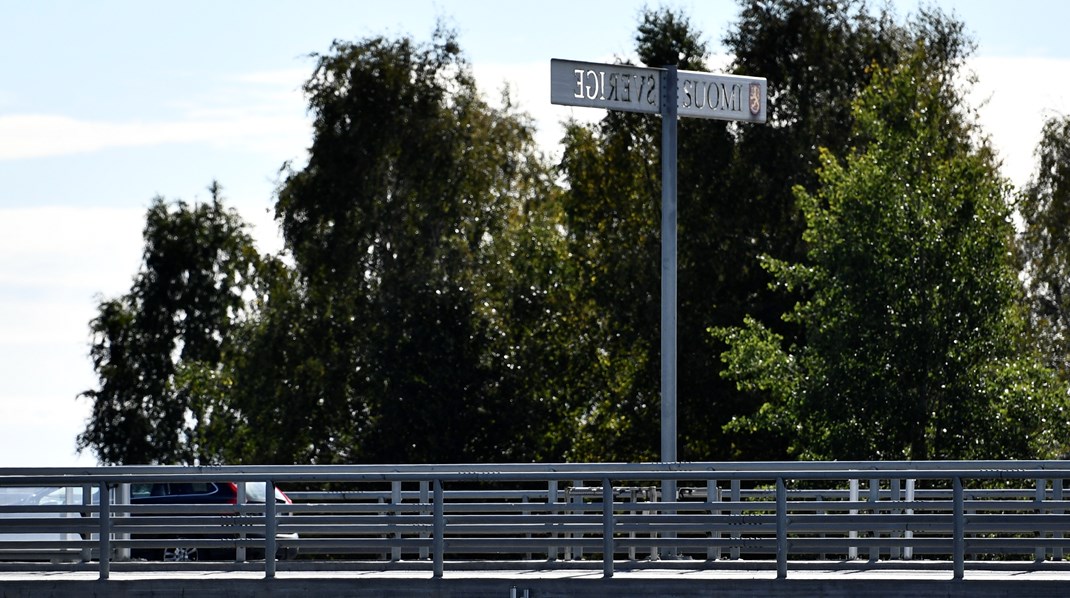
(1044,243)
(816,57)
(158,350)
(382,346)
(913,334)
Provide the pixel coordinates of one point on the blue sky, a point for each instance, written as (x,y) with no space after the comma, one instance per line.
(107,104)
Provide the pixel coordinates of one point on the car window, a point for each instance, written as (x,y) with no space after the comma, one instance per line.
(184,488)
(141,490)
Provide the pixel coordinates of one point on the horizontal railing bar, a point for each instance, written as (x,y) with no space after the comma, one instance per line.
(351,508)
(376,543)
(415,495)
(868,467)
(363,520)
(833,474)
(43,544)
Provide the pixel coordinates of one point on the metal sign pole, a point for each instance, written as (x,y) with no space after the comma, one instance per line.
(668,285)
(668,265)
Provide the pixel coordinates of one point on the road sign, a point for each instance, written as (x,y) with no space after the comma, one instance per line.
(611,86)
(724,97)
(639,89)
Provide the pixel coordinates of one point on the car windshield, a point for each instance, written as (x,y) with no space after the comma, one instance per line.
(69,495)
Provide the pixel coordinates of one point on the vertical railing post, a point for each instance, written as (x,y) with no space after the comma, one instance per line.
(551,498)
(958,529)
(896,496)
(607,529)
(239,553)
(1040,552)
(874,500)
(822,556)
(736,512)
(575,552)
(633,497)
(395,501)
(87,502)
(384,511)
(105,531)
(655,501)
(908,550)
(1057,495)
(122,497)
(852,496)
(270,529)
(713,496)
(424,499)
(438,544)
(781,529)
(526,513)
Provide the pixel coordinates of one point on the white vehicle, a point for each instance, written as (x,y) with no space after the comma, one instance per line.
(28,530)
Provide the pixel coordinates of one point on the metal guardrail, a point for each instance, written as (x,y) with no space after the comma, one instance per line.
(837,514)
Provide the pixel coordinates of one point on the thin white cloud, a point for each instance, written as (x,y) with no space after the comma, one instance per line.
(256,112)
(42,135)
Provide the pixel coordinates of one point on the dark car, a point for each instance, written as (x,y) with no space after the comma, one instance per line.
(203,493)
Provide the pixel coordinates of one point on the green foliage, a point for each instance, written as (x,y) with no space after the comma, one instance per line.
(392,346)
(766,374)
(668,38)
(611,225)
(1044,243)
(912,328)
(158,350)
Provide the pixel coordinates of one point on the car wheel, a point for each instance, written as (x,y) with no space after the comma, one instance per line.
(180,554)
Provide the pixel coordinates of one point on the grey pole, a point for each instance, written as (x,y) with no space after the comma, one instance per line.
(105,530)
(668,267)
(270,529)
(668,286)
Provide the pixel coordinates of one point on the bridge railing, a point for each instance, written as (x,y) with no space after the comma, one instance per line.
(608,515)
